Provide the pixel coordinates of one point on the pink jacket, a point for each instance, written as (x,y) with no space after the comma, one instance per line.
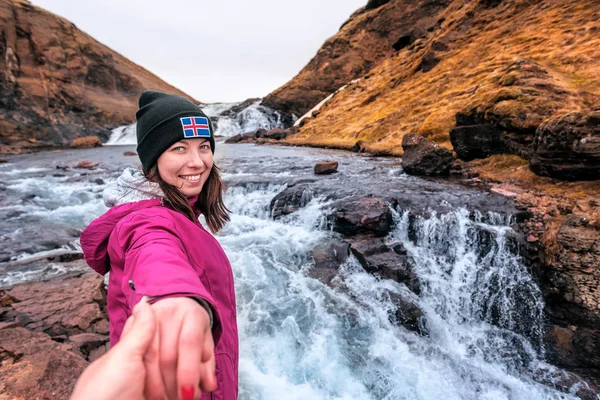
(151,250)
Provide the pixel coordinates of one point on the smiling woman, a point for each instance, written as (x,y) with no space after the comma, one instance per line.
(155,248)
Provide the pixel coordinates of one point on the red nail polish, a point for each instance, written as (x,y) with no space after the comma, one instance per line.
(187,393)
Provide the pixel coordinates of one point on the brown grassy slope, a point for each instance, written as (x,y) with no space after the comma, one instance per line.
(477,48)
(58,83)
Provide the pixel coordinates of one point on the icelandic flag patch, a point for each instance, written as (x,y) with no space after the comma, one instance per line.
(194,127)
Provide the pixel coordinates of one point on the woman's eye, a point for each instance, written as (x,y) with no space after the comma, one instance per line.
(205,147)
(179,148)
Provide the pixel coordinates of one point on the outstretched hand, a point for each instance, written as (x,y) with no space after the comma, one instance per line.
(180,362)
(120,373)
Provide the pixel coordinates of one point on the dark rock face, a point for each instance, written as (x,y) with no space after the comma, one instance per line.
(326,167)
(328,257)
(361,215)
(423,157)
(377,258)
(476,141)
(568,147)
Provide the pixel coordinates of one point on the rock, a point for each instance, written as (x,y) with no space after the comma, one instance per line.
(244,138)
(33,366)
(326,167)
(377,258)
(476,141)
(361,215)
(3,160)
(129,153)
(99,181)
(235,139)
(86,142)
(569,277)
(290,200)
(407,314)
(63,306)
(328,257)
(86,343)
(424,157)
(568,147)
(276,134)
(87,164)
(429,61)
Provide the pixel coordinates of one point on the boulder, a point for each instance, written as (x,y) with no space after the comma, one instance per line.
(294,197)
(326,167)
(424,157)
(33,366)
(568,147)
(86,142)
(129,153)
(3,160)
(367,214)
(328,257)
(388,263)
(476,141)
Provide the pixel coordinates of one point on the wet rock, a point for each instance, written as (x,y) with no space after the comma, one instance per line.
(377,258)
(328,257)
(86,142)
(33,366)
(242,138)
(361,215)
(476,141)
(129,153)
(87,164)
(407,313)
(99,181)
(290,200)
(568,147)
(424,157)
(63,306)
(326,167)
(3,160)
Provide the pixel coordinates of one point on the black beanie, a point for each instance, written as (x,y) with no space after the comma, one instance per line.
(164,119)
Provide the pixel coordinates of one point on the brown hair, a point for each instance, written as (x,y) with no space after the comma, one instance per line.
(209,203)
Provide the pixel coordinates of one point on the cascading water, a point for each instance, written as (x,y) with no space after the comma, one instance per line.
(229,119)
(301,339)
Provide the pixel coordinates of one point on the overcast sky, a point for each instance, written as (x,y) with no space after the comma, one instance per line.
(219,50)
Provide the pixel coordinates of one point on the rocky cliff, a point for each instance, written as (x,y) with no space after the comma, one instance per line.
(57,83)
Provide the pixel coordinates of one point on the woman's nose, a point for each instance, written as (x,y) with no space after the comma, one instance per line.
(195,160)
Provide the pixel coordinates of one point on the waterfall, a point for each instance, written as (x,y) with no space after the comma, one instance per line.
(228,119)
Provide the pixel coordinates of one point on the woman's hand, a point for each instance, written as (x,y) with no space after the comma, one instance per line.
(120,373)
(181,359)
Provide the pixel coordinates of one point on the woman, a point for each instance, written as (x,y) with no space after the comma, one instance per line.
(154,247)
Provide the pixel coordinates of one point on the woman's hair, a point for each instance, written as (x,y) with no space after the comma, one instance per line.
(210,200)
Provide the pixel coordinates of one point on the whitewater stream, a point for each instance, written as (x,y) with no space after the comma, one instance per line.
(302,339)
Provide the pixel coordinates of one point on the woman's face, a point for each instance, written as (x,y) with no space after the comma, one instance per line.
(186,165)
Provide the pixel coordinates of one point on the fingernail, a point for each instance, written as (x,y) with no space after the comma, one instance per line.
(187,393)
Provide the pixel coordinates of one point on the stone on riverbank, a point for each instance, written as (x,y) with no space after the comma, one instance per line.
(424,157)
(87,142)
(328,257)
(326,167)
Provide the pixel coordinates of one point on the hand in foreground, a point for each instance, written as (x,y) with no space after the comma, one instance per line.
(120,373)
(180,361)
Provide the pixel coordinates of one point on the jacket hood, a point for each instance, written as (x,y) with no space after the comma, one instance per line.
(131,186)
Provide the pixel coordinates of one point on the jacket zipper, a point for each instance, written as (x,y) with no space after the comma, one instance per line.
(211,395)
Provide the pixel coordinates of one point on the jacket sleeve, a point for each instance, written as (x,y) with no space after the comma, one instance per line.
(156,264)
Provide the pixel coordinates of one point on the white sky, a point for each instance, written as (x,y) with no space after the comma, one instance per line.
(219,50)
